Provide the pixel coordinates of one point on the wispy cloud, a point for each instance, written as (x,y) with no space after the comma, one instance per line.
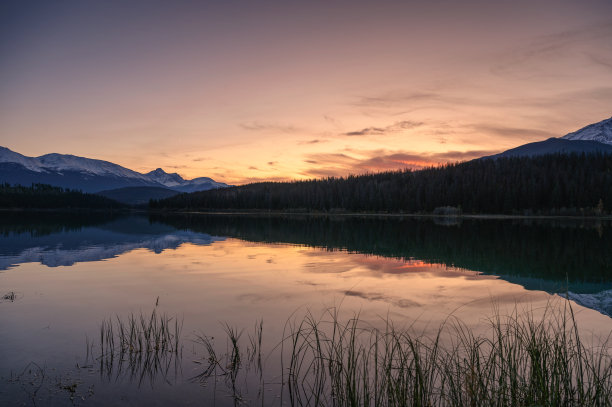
(396,97)
(274,127)
(341,164)
(513,132)
(601,60)
(314,141)
(377,131)
(368,131)
(547,48)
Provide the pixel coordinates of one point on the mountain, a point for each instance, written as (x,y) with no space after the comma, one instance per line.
(594,138)
(177,183)
(555,146)
(601,132)
(138,195)
(89,175)
(162,177)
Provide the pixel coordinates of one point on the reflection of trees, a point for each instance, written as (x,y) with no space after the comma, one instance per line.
(45,223)
(551,250)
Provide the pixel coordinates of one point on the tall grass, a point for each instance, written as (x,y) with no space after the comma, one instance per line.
(520,359)
(140,345)
(230,363)
(524,358)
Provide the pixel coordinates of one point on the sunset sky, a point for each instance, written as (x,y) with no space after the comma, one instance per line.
(274,90)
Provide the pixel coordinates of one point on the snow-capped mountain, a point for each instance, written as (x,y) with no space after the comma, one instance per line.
(89,175)
(594,138)
(601,132)
(176,182)
(169,180)
(556,146)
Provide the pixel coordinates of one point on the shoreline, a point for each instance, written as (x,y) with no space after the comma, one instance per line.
(308,214)
(385,215)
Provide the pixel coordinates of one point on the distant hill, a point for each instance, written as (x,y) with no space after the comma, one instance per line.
(138,195)
(555,146)
(596,137)
(89,175)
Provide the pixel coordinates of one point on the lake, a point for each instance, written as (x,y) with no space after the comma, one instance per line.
(63,278)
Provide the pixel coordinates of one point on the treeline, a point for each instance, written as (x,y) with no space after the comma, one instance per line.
(42,196)
(557,184)
(38,224)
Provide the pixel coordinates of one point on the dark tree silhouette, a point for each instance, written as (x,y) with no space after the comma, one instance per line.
(558,184)
(41,196)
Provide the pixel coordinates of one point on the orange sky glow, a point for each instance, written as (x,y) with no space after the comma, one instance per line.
(270,90)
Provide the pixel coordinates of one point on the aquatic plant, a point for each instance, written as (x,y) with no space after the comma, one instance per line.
(520,359)
(140,345)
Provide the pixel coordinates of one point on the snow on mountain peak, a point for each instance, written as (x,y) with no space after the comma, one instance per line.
(9,156)
(601,132)
(164,178)
(68,162)
(55,165)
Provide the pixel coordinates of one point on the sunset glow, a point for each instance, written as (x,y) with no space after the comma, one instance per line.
(248,91)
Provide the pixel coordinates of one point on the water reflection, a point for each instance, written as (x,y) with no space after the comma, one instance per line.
(555,251)
(569,257)
(554,256)
(63,241)
(239,270)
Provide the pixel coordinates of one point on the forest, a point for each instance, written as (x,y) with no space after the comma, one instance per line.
(556,184)
(42,196)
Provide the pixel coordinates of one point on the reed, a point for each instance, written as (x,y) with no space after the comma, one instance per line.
(520,359)
(141,345)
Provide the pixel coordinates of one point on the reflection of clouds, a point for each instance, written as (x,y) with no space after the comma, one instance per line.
(328,267)
(328,262)
(307,282)
(260,297)
(397,301)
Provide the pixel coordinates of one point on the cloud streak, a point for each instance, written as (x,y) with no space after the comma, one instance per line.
(341,164)
(269,127)
(551,47)
(379,131)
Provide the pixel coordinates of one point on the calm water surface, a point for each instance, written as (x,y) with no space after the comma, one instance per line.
(61,276)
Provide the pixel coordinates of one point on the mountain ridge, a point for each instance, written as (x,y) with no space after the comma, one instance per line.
(90,175)
(593,138)
(600,132)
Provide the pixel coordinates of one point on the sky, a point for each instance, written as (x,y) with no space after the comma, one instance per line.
(245,91)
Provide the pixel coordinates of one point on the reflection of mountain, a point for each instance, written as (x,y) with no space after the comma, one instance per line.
(542,255)
(48,242)
(601,301)
(550,256)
